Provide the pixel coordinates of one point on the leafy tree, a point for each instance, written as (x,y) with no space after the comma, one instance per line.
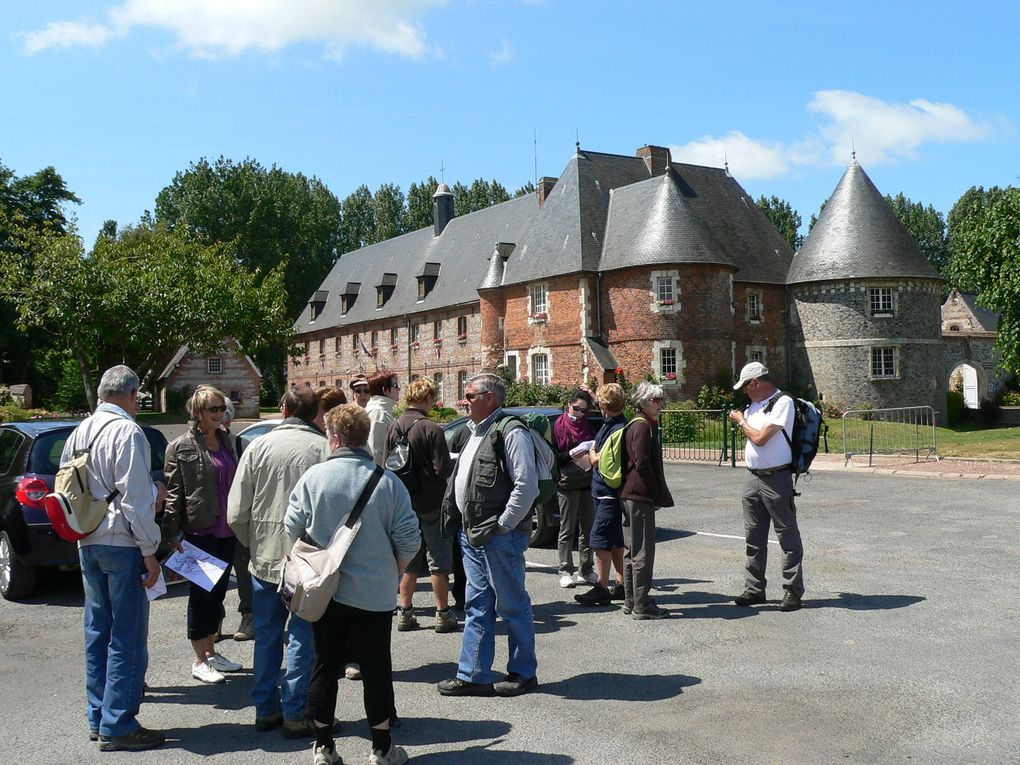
(419,204)
(527,188)
(986,236)
(389,212)
(786,220)
(478,196)
(138,298)
(928,228)
(357,220)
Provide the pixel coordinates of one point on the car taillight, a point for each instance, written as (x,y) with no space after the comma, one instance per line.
(31,491)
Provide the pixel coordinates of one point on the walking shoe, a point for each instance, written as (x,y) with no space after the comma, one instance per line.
(515,684)
(266,723)
(596,596)
(628,609)
(750,598)
(458,687)
(323,756)
(446,621)
(618,592)
(352,671)
(590,578)
(220,664)
(651,611)
(246,629)
(405,619)
(567,580)
(135,741)
(94,735)
(790,602)
(303,727)
(206,674)
(396,756)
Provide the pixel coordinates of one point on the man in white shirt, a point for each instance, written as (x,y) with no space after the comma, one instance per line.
(118,562)
(768,493)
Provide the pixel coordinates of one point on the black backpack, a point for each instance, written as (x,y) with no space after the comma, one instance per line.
(809,428)
(401,459)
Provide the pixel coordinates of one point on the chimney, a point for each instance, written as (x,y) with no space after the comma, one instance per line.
(545,187)
(442,208)
(656,158)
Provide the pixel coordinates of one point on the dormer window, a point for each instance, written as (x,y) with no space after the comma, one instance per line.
(384,290)
(348,296)
(427,279)
(317,303)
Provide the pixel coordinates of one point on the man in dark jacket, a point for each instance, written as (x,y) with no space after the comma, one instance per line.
(432,465)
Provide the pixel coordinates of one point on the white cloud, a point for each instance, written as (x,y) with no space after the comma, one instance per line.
(215,28)
(503,56)
(880,132)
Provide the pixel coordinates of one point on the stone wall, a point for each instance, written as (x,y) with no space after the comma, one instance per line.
(237,380)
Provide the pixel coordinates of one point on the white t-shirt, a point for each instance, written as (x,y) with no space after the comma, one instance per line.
(776,451)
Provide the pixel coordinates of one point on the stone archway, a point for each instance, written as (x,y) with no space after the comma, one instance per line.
(972,380)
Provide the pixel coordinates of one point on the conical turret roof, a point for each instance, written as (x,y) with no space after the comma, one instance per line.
(858,236)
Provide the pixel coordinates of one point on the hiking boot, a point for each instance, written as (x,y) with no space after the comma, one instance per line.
(446,621)
(206,674)
(515,684)
(405,619)
(596,596)
(618,592)
(135,741)
(246,629)
(458,687)
(221,664)
(750,598)
(266,723)
(651,611)
(323,756)
(396,756)
(303,727)
(790,602)
(352,672)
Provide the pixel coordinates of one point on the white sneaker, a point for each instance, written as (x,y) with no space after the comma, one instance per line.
(352,672)
(396,756)
(221,664)
(567,580)
(206,674)
(323,756)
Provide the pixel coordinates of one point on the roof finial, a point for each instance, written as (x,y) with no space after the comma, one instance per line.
(726,160)
(577,140)
(853,150)
(442,170)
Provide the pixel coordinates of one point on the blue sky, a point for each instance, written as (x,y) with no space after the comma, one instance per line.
(119,95)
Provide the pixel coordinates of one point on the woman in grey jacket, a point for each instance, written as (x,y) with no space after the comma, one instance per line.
(359,619)
(200,467)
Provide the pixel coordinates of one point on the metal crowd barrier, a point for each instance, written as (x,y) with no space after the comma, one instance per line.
(889,432)
(699,434)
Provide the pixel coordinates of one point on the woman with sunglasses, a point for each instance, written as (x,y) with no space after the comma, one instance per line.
(644,491)
(574,491)
(199,469)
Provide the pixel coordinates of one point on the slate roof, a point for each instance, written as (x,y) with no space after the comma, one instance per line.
(986,319)
(462,253)
(858,236)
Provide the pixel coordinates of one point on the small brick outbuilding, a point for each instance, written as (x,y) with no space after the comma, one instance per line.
(230,370)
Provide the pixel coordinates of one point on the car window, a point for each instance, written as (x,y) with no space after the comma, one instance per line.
(456,436)
(10,443)
(46,451)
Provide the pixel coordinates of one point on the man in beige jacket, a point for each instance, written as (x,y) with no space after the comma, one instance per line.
(267,473)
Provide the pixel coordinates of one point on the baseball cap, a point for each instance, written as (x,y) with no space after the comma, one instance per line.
(359,380)
(750,372)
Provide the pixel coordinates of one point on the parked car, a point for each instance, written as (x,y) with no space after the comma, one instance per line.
(29,458)
(545,526)
(253,431)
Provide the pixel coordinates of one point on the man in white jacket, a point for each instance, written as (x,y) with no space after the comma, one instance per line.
(385,390)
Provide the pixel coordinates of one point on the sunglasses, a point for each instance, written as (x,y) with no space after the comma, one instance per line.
(360,390)
(215,409)
(579,409)
(656,400)
(473,396)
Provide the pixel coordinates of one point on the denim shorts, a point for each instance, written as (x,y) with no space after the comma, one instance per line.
(607,530)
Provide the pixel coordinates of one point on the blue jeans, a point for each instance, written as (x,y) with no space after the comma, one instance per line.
(116,631)
(270,619)
(495,587)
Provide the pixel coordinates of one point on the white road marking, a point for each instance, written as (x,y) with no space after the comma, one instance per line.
(729,536)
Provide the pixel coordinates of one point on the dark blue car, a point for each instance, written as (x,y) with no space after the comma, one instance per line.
(29,457)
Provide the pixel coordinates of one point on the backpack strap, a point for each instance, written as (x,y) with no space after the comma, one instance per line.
(789,441)
(112,494)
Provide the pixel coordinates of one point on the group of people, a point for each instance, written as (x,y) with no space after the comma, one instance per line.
(474,515)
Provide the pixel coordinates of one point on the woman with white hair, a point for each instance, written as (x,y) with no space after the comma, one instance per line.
(644,491)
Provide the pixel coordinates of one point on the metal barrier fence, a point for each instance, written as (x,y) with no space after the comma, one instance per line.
(897,431)
(699,434)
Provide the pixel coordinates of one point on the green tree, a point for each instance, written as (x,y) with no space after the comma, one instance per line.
(389,212)
(928,228)
(786,220)
(419,204)
(357,220)
(527,188)
(986,237)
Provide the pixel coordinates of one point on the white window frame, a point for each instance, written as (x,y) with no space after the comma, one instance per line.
(539,351)
(755,299)
(756,353)
(667,364)
(462,378)
(437,378)
(890,354)
(659,304)
(679,361)
(516,356)
(538,303)
(879,308)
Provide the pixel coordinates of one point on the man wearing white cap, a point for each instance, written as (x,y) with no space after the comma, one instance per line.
(768,493)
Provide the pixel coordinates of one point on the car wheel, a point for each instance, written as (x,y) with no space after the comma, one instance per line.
(544,527)
(16,579)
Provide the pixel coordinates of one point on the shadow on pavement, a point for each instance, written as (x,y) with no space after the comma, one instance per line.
(857,602)
(666,534)
(429,673)
(618,686)
(476,754)
(549,616)
(426,731)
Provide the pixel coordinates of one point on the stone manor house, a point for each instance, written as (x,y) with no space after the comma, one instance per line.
(649,266)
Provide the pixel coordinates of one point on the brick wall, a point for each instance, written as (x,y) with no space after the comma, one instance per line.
(237,380)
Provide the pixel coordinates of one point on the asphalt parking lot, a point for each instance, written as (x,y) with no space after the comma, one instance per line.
(906,651)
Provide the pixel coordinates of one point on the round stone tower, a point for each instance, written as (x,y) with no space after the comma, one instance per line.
(865,309)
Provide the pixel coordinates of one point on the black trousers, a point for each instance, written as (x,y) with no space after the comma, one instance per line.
(205,609)
(346,634)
